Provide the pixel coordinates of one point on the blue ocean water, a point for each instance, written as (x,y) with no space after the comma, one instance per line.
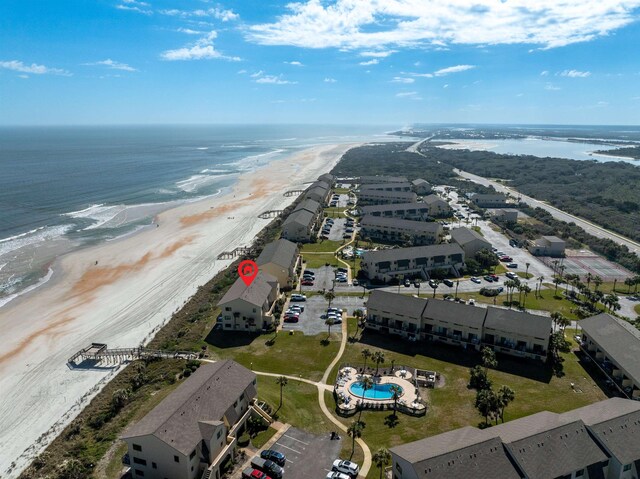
(63,188)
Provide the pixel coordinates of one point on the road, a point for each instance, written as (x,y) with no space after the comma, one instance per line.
(589,227)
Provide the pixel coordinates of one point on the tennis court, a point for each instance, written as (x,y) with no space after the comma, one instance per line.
(584,262)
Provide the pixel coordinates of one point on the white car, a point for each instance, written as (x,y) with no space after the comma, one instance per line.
(346,467)
(476,280)
(337,475)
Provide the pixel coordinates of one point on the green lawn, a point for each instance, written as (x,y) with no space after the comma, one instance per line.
(322,246)
(292,354)
(262,437)
(452,405)
(637,309)
(524,275)
(319,260)
(335,212)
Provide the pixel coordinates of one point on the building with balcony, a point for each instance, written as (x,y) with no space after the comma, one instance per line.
(453,323)
(407,211)
(615,346)
(280,259)
(397,230)
(438,208)
(380,197)
(517,333)
(599,441)
(395,313)
(399,186)
(300,226)
(421,187)
(495,200)
(417,261)
(250,308)
(195,428)
(470,241)
(363,180)
(327,178)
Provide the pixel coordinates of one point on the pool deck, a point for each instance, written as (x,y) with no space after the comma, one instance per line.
(350,402)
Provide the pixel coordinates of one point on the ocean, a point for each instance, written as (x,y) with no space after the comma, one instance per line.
(64,188)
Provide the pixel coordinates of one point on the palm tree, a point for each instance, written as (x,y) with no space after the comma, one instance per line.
(540,280)
(629,282)
(557,281)
(367,383)
(505,396)
(488,404)
(378,358)
(329,296)
(489,358)
(381,458)
(355,431)
(366,354)
(329,322)
(526,290)
(282,382)
(597,281)
(396,392)
(526,273)
(434,284)
(509,284)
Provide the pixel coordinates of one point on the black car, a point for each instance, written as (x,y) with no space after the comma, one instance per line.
(448,282)
(274,456)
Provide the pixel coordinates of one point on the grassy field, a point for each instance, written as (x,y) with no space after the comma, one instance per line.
(320,259)
(524,275)
(451,406)
(335,212)
(262,437)
(293,354)
(637,309)
(322,246)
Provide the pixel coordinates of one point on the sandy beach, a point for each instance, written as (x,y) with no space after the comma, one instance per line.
(120,293)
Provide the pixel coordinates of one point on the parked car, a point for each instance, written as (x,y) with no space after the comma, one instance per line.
(416,283)
(475,279)
(506,258)
(341,270)
(337,475)
(488,279)
(356,282)
(298,297)
(433,284)
(291,319)
(346,467)
(335,310)
(307,282)
(512,265)
(495,277)
(251,473)
(268,467)
(341,279)
(448,282)
(274,456)
(472,302)
(298,309)
(407,283)
(511,275)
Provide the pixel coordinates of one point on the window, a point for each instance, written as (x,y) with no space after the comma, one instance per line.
(193,454)
(241,396)
(235,403)
(627,467)
(137,447)
(139,473)
(154,465)
(219,434)
(398,468)
(176,459)
(580,473)
(227,308)
(137,460)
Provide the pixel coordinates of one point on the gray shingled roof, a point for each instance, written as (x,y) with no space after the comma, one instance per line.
(434,199)
(618,339)
(312,206)
(370,221)
(413,252)
(408,195)
(518,322)
(435,446)
(301,217)
(554,239)
(207,395)
(321,184)
(376,186)
(256,293)
(281,252)
(382,179)
(395,207)
(420,182)
(455,313)
(396,303)
(465,235)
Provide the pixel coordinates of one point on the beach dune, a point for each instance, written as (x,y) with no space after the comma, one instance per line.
(121,293)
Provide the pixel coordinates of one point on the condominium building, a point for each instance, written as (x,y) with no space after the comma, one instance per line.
(299,226)
(397,230)
(470,241)
(430,207)
(280,259)
(381,179)
(470,327)
(250,308)
(421,187)
(404,186)
(380,197)
(418,261)
(496,200)
(195,428)
(599,441)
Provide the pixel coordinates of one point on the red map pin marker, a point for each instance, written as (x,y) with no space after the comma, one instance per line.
(248,270)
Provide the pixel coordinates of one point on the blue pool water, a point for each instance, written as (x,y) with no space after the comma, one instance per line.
(378,391)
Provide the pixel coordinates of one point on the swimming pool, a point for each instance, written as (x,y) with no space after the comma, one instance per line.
(378,391)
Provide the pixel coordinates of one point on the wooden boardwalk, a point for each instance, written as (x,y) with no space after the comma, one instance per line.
(293,192)
(99,352)
(270,214)
(239,251)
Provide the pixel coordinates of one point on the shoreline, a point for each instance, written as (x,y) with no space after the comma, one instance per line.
(133,290)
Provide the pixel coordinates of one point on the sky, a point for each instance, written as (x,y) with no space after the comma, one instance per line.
(80,62)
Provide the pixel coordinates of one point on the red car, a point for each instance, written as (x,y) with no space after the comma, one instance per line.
(506,259)
(494,277)
(291,319)
(306,282)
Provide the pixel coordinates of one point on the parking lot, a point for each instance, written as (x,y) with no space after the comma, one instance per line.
(323,279)
(308,456)
(311,323)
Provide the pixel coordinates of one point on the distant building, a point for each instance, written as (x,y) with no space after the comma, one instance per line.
(599,441)
(299,226)
(430,207)
(496,200)
(438,208)
(505,331)
(378,197)
(311,206)
(318,192)
(405,186)
(547,246)
(615,344)
(195,428)
(250,308)
(421,187)
(397,230)
(327,178)
(384,265)
(470,241)
(381,179)
(507,215)
(280,259)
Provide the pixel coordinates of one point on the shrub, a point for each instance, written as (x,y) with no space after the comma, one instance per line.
(243,441)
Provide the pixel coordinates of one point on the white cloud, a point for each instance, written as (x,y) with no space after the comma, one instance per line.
(295,63)
(23,76)
(544,73)
(35,69)
(203,49)
(217,13)
(552,87)
(411,95)
(454,69)
(113,65)
(330,80)
(445,86)
(378,54)
(261,77)
(135,6)
(603,103)
(374,61)
(189,31)
(378,24)
(574,74)
(402,80)
(242,72)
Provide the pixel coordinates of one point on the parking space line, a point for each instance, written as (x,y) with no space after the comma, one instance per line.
(291,437)
(290,448)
